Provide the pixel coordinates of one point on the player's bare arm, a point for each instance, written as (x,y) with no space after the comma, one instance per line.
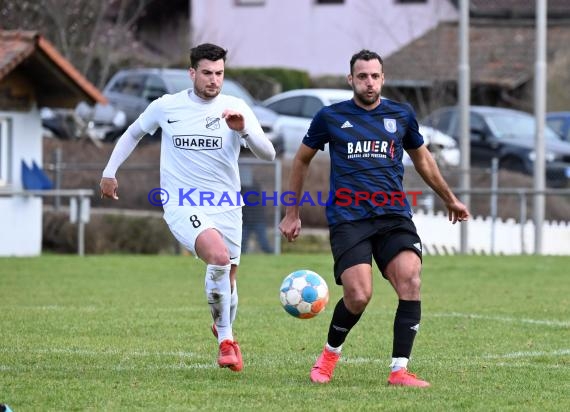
(426,166)
(290,226)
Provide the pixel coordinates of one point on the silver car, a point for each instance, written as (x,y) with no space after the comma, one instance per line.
(131,90)
(296,108)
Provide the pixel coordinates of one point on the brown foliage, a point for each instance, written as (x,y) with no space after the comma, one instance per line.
(108,234)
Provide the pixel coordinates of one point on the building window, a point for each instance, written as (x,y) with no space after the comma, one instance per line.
(5,152)
(330,1)
(249,2)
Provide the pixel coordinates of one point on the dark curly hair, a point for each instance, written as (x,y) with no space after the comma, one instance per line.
(206,51)
(365,55)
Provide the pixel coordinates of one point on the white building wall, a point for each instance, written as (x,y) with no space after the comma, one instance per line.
(21,217)
(318,38)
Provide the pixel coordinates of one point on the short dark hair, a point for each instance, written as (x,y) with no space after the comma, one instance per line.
(206,51)
(365,55)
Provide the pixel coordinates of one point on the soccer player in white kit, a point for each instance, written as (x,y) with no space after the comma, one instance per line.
(202,134)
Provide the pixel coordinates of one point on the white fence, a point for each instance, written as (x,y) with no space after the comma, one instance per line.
(489,236)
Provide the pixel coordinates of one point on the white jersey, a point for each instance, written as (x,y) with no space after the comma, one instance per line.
(199,152)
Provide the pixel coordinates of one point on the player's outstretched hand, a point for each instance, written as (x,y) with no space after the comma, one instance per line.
(109,187)
(457,212)
(290,227)
(234,120)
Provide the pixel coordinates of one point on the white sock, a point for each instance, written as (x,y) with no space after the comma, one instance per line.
(399,363)
(234,304)
(331,349)
(218,293)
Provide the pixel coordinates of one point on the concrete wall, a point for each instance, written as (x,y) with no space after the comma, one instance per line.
(21,217)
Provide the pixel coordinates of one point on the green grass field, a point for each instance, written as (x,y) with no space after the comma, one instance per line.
(122,333)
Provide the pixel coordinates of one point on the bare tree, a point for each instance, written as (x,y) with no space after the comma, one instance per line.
(93,35)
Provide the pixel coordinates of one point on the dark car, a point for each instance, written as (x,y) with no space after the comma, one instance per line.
(508,135)
(131,90)
(560,123)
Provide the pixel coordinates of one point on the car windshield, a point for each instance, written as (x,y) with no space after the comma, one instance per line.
(508,125)
(234,89)
(178,81)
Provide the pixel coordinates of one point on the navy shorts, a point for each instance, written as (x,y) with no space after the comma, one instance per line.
(381,237)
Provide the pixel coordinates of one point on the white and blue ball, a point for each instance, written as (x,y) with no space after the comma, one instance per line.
(304,294)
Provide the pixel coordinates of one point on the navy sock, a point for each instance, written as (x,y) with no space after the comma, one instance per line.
(406,325)
(341,323)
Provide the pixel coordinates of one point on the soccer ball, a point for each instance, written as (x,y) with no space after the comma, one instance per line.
(304,294)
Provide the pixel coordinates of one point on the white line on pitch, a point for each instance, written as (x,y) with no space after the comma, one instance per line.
(557,323)
(527,365)
(513,355)
(88,352)
(92,308)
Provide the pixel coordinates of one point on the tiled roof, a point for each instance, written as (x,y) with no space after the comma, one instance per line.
(30,49)
(500,54)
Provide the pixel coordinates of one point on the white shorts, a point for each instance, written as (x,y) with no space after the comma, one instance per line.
(186,223)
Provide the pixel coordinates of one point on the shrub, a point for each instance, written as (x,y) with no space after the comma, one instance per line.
(287,79)
(330,82)
(108,234)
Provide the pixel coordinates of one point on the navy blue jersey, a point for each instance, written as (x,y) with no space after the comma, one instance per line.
(366,149)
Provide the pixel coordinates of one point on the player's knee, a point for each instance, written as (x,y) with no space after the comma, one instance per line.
(221,260)
(408,287)
(219,257)
(357,302)
(414,282)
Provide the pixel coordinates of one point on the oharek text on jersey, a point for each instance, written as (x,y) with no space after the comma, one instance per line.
(197,142)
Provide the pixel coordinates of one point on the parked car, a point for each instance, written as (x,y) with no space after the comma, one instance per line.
(443,147)
(98,122)
(131,90)
(508,135)
(296,108)
(560,123)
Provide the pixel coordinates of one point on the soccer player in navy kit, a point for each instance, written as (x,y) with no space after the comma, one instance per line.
(369,218)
